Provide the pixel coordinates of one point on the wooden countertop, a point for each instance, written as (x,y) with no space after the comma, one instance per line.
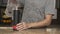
(32,31)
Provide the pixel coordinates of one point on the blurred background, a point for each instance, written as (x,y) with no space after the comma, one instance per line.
(7,20)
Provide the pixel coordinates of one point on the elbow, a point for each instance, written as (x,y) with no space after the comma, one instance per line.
(48,22)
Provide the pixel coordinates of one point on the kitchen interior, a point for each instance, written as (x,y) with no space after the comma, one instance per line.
(54,28)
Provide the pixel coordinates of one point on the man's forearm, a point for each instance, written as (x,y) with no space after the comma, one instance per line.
(39,24)
(45,22)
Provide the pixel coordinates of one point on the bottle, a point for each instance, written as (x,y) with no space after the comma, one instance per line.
(17,16)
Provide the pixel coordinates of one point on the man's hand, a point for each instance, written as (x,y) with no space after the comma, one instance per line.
(22,26)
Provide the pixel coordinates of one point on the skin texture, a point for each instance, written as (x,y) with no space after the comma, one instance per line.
(45,22)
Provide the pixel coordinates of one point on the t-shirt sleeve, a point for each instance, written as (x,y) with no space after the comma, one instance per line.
(50,8)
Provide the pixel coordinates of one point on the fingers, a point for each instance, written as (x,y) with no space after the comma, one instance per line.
(21,26)
(20,23)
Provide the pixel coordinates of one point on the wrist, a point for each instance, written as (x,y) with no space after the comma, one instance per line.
(28,25)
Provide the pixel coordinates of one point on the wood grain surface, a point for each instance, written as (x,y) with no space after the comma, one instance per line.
(31,31)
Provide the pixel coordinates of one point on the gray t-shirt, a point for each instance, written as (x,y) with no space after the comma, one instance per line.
(36,10)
